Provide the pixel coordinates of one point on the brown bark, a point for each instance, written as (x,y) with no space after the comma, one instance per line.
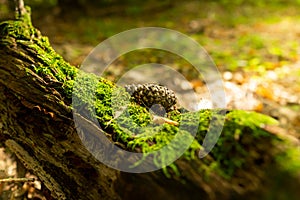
(43,136)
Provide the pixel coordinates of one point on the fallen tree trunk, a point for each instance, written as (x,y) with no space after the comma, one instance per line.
(36,123)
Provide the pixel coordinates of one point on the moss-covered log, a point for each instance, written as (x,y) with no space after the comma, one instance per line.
(36,123)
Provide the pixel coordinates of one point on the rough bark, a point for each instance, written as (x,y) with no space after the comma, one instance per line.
(36,124)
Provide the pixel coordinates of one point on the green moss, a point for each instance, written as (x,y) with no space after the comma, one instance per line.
(21,28)
(242,131)
(51,64)
(289,160)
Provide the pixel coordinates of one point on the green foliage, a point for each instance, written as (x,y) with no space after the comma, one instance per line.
(253,120)
(289,160)
(255,3)
(241,129)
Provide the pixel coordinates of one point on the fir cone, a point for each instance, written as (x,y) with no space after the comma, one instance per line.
(150,94)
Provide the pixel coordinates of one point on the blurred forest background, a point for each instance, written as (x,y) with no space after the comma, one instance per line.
(255,44)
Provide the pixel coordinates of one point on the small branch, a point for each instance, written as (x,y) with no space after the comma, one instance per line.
(161,120)
(16,180)
(19,7)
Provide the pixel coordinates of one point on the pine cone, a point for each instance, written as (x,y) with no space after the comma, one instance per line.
(150,94)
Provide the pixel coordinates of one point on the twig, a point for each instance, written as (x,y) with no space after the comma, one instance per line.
(161,120)
(15,180)
(19,7)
